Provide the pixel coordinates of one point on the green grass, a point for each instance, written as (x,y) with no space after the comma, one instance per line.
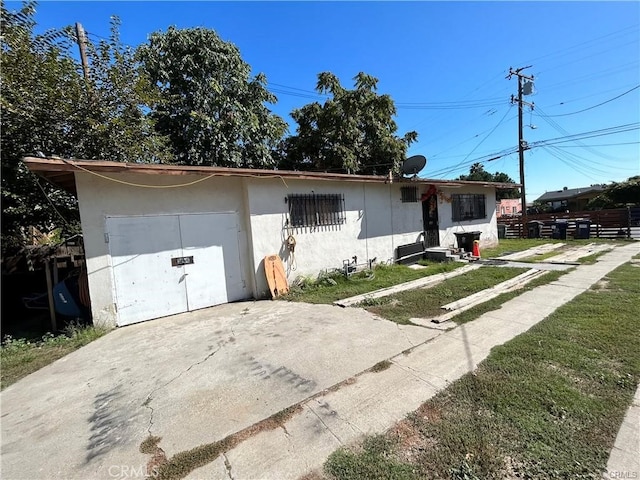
(547,404)
(329,288)
(20,357)
(507,246)
(495,303)
(427,302)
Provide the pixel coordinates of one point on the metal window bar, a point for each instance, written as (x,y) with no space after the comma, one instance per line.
(312,210)
(409,194)
(469,206)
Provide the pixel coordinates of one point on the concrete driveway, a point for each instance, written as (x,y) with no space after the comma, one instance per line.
(190,379)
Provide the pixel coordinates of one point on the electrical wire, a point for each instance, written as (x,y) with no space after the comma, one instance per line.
(141,185)
(51,203)
(595,106)
(485,138)
(569,50)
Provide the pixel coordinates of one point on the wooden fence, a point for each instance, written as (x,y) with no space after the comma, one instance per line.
(614,223)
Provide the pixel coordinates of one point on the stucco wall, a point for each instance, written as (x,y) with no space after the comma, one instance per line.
(376,222)
(487,226)
(99,198)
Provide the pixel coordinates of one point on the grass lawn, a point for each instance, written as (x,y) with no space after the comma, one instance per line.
(547,404)
(427,302)
(20,357)
(329,288)
(507,246)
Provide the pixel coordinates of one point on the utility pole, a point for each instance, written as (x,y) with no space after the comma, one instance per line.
(82,44)
(522,144)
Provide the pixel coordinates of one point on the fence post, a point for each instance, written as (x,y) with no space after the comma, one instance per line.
(628,221)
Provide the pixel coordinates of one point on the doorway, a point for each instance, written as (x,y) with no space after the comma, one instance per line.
(430,221)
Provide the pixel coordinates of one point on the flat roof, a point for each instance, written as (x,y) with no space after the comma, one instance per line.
(60,172)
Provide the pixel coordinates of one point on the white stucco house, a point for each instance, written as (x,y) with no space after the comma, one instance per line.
(165,239)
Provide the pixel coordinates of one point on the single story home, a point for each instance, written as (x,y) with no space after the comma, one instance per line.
(166,239)
(570,199)
(508,207)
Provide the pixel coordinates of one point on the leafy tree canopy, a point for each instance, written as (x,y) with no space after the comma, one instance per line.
(477,173)
(210,107)
(47,107)
(617,195)
(353,131)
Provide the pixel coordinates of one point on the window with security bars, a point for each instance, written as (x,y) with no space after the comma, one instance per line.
(468,206)
(409,194)
(312,210)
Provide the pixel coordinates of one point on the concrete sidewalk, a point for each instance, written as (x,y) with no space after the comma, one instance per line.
(624,461)
(376,401)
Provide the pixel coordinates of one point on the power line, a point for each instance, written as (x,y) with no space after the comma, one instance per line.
(598,105)
(569,50)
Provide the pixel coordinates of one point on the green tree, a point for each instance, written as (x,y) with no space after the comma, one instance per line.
(477,173)
(212,110)
(48,108)
(353,131)
(617,194)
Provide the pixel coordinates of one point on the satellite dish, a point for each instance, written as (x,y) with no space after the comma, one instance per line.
(412,165)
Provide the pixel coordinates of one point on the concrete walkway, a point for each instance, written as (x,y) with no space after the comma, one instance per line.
(624,461)
(376,401)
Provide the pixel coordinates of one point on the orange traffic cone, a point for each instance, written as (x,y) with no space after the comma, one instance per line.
(476,248)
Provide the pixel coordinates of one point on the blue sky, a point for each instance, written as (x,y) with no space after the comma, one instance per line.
(444,64)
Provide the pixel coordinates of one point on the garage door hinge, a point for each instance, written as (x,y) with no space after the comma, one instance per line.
(106,238)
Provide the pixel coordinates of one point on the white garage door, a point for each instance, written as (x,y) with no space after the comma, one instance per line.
(167,264)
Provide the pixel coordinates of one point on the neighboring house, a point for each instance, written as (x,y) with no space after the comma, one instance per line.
(508,207)
(165,239)
(570,199)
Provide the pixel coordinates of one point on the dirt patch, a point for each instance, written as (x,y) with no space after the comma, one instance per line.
(380,366)
(410,442)
(183,463)
(601,285)
(429,413)
(312,476)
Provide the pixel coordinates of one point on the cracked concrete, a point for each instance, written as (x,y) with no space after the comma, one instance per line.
(227,465)
(234,365)
(378,400)
(149,398)
(191,379)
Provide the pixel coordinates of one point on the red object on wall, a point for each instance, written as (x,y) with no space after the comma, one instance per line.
(432,190)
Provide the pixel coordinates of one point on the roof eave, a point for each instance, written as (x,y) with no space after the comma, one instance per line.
(61,171)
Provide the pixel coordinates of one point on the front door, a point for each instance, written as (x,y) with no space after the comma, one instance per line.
(430,220)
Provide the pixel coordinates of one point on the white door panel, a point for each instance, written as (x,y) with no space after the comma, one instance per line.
(146,284)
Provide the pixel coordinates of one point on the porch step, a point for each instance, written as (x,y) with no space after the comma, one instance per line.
(442,254)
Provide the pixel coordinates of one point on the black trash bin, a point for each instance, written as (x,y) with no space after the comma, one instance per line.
(502,231)
(583,229)
(465,240)
(559,229)
(534,229)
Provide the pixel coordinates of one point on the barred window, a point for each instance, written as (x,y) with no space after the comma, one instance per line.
(315,210)
(468,206)
(409,194)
